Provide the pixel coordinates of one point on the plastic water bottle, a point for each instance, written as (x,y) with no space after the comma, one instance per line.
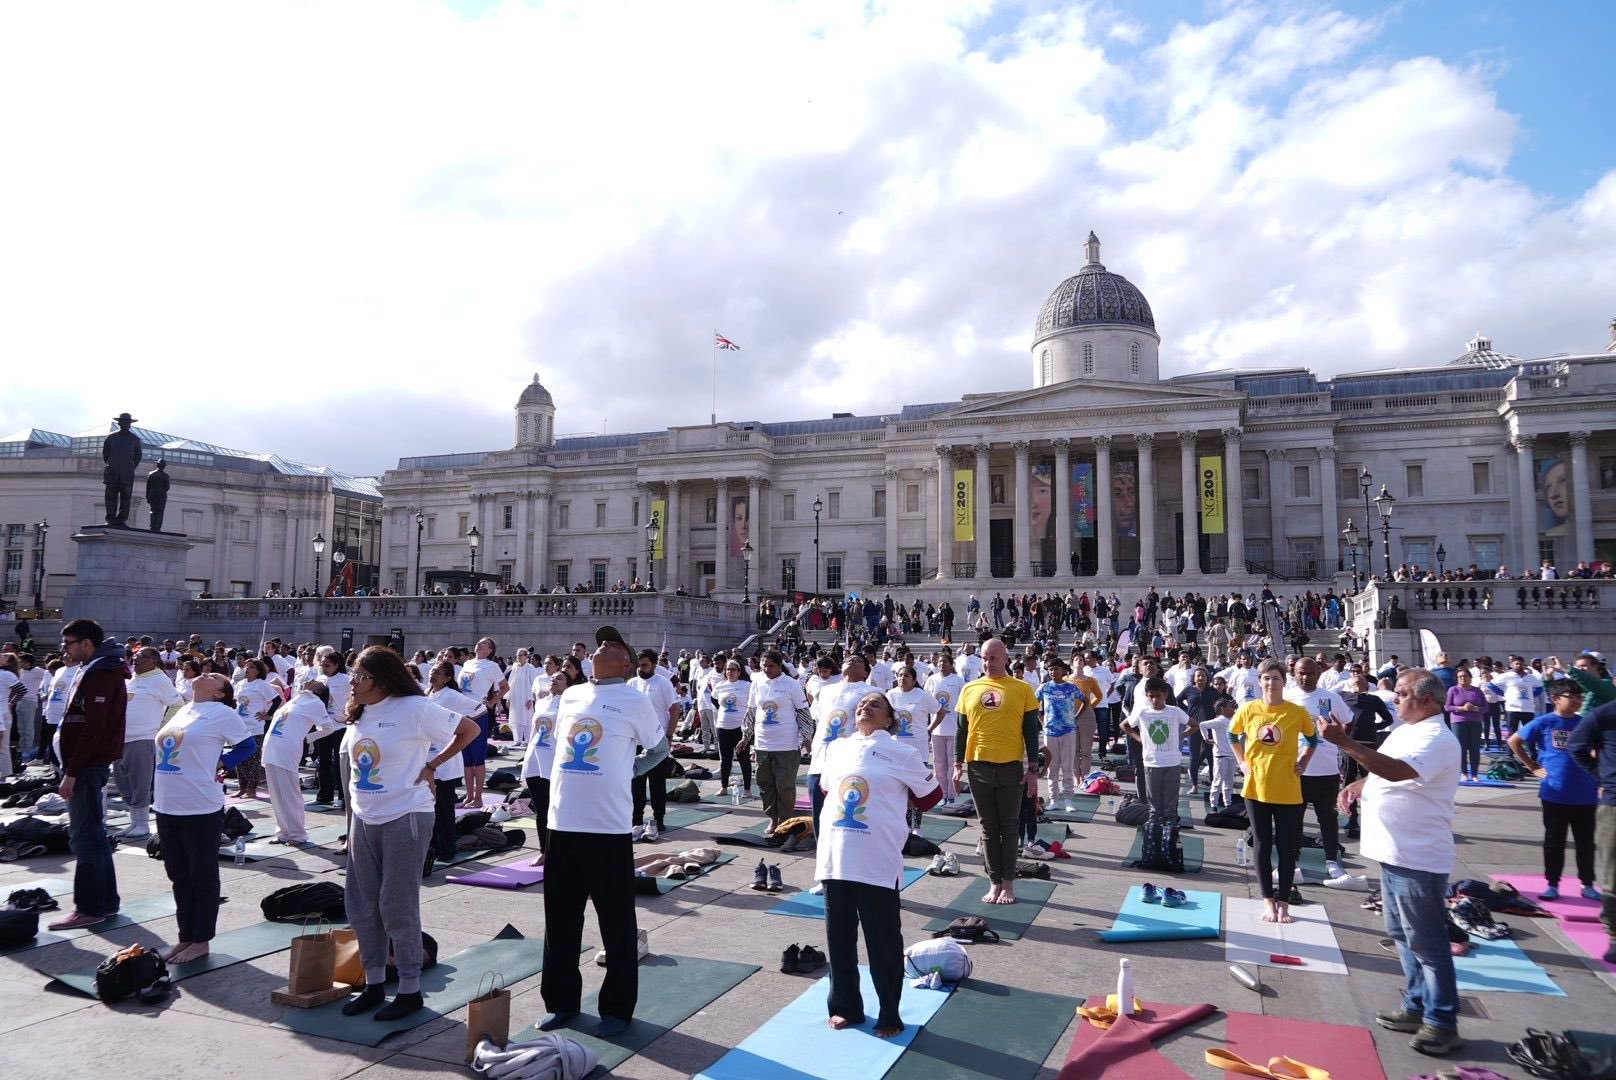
(1240,851)
(735,792)
(1111,805)
(241,850)
(1125,987)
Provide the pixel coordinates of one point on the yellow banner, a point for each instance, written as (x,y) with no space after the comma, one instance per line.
(659,513)
(964,508)
(1212,495)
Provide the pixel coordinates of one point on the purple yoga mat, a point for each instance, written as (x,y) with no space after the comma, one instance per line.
(509,876)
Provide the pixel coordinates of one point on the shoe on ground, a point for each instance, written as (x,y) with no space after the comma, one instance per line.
(1172,897)
(1551,893)
(776,883)
(77,921)
(1435,1041)
(637,833)
(1152,894)
(642,949)
(810,959)
(650,832)
(1332,868)
(818,889)
(1401,1020)
(936,867)
(1589,892)
(790,960)
(1349,882)
(1039,852)
(950,864)
(760,877)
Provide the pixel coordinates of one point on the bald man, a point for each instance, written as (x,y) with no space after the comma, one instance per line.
(997,747)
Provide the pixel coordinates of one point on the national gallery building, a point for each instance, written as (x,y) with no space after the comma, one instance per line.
(1101,475)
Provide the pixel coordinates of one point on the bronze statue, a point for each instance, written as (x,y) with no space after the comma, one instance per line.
(157,493)
(121,452)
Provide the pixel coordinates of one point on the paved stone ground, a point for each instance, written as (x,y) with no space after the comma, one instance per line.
(216,1026)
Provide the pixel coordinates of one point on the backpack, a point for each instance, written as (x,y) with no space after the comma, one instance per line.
(429,955)
(698,772)
(124,973)
(1506,770)
(1102,785)
(944,955)
(689,791)
(1160,848)
(484,838)
(305,900)
(1475,918)
(1027,868)
(502,780)
(18,926)
(470,823)
(971,928)
(1133,811)
(916,846)
(235,824)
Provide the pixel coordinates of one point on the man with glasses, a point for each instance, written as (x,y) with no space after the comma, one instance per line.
(92,739)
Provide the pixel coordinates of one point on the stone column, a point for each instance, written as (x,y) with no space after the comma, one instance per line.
(984,546)
(1022,526)
(1526,509)
(1234,501)
(1276,505)
(945,513)
(1582,513)
(1146,504)
(263,536)
(1189,492)
(1104,549)
(671,571)
(759,536)
(721,538)
(544,573)
(1330,508)
(1063,510)
(894,575)
(519,572)
(224,527)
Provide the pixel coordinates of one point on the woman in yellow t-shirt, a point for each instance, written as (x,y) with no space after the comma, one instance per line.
(1273,740)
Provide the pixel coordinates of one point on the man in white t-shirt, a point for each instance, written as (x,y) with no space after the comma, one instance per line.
(1180,675)
(774,709)
(590,856)
(1105,713)
(881,676)
(970,665)
(1407,813)
(1520,686)
(1242,679)
(151,695)
(1321,780)
(653,786)
(32,677)
(580,652)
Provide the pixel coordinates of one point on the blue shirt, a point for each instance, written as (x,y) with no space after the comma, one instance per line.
(1059,701)
(1567,782)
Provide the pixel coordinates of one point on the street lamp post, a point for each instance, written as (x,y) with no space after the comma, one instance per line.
(652,531)
(1384,502)
(1441,561)
(1364,480)
(39,571)
(746,571)
(1350,535)
(475,539)
(319,563)
(818,506)
(420,527)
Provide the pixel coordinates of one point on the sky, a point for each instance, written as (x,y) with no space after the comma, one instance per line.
(350,232)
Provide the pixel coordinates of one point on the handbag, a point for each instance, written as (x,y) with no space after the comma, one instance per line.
(314,961)
(121,974)
(970,928)
(488,1015)
(346,965)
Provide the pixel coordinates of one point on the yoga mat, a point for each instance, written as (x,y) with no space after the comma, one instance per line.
(659,886)
(142,910)
(1343,1051)
(447,987)
(1591,939)
(491,799)
(1186,812)
(1249,940)
(228,949)
(468,856)
(1501,967)
(513,876)
(1125,1050)
(1199,917)
(1569,908)
(796,1043)
(672,990)
(938,830)
(1082,812)
(1008,920)
(258,850)
(1484,782)
(987,1030)
(1311,862)
(749,837)
(805,905)
(681,815)
(1194,853)
(1051,831)
(52,886)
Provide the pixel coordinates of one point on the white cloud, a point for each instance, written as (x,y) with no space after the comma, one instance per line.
(351,232)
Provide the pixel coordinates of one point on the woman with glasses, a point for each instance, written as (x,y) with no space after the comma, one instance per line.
(730,696)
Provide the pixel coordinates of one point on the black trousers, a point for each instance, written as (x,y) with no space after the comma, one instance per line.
(582,868)
(1320,793)
(998,788)
(1136,758)
(446,796)
(538,792)
(190,844)
(1266,820)
(653,786)
(1107,727)
(849,905)
(327,751)
(1557,817)
(727,738)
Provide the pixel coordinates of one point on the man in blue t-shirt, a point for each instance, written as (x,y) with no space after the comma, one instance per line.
(1569,794)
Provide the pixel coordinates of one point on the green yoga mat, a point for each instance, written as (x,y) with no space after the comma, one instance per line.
(658,886)
(54,886)
(446,987)
(1051,831)
(1008,920)
(145,909)
(752,836)
(1082,812)
(680,815)
(987,1030)
(938,829)
(672,990)
(230,948)
(1194,852)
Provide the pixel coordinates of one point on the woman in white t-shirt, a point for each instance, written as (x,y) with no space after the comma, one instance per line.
(189,802)
(441,690)
(914,708)
(730,695)
(945,685)
(189,671)
(387,748)
(869,780)
(295,724)
(540,756)
(256,698)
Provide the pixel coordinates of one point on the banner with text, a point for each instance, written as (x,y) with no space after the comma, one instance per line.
(658,515)
(1212,495)
(964,508)
(1082,501)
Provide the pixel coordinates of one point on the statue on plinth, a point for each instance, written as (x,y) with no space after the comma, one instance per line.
(121,452)
(157,482)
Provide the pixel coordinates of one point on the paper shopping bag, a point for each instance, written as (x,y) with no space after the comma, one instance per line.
(314,958)
(348,969)
(488,1016)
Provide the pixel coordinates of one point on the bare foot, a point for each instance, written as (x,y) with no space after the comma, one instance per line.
(1007,895)
(889,1032)
(1270,911)
(169,956)
(837,1023)
(194,951)
(1283,911)
(538,861)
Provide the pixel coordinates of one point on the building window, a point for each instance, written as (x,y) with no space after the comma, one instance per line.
(240,590)
(833,573)
(634,513)
(911,498)
(192,521)
(1047,368)
(1133,358)
(1306,555)
(431,527)
(244,528)
(878,502)
(1257,552)
(1414,481)
(507,515)
(506,571)
(712,511)
(1251,484)
(1088,358)
(1302,481)
(14,537)
(1346,484)
(1481,478)
(597,575)
(634,569)
(600,515)
(1418,553)
(1545,551)
(833,504)
(563,515)
(1484,552)
(878,569)
(911,568)
(788,508)
(14,570)
(398,582)
(460,530)
(563,575)
(788,575)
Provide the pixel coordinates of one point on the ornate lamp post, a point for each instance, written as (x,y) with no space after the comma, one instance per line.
(475,539)
(420,527)
(1384,503)
(39,571)
(319,563)
(1350,535)
(818,506)
(746,571)
(652,531)
(1441,561)
(1364,481)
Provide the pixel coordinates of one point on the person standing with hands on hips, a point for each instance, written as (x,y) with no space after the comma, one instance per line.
(997,748)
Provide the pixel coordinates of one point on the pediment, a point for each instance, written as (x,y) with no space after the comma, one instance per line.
(1079,395)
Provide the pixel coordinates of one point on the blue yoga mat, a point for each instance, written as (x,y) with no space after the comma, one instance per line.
(1485,783)
(1199,917)
(797,1043)
(805,905)
(1501,967)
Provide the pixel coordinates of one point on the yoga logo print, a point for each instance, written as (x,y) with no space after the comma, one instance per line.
(852,794)
(770,713)
(992,699)
(541,732)
(905,719)
(1268,734)
(169,741)
(837,726)
(367,765)
(583,744)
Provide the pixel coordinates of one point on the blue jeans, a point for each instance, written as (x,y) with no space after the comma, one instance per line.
(1415,902)
(95,882)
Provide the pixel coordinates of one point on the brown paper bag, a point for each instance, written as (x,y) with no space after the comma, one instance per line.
(488,1016)
(314,958)
(348,967)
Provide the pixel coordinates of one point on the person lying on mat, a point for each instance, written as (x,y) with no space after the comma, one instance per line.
(870,779)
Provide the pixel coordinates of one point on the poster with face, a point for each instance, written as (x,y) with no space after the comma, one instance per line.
(739,512)
(1041,509)
(1125,498)
(1554,484)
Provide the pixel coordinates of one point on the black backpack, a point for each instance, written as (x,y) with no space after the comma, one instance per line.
(128,971)
(235,825)
(1132,811)
(17,927)
(1028,868)
(1160,850)
(502,780)
(470,823)
(308,899)
(970,928)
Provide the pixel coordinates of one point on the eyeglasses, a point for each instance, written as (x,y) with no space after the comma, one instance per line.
(360,676)
(70,641)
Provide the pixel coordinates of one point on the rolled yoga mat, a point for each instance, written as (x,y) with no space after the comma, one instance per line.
(1199,917)
(1009,921)
(987,1030)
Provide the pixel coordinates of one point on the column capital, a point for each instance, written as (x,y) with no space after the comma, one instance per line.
(944,450)
(1103,442)
(1579,438)
(1061,443)
(542,493)
(1021,446)
(722,482)
(642,485)
(1188,438)
(929,470)
(1523,443)
(754,481)
(1326,451)
(1275,453)
(673,485)
(1145,439)
(890,473)
(1232,434)
(982,448)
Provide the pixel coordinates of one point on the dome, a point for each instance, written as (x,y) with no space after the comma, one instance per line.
(535,394)
(1479,353)
(1093,296)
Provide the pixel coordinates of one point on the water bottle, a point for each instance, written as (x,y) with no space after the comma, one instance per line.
(1111,805)
(241,850)
(1240,851)
(1125,987)
(735,792)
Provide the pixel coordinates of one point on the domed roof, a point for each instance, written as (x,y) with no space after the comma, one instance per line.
(1479,352)
(535,394)
(1094,295)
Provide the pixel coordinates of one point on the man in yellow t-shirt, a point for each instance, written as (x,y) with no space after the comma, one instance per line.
(997,748)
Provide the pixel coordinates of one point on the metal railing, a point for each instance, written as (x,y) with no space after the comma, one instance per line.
(561,605)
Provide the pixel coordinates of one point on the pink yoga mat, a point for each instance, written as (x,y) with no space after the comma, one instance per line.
(501,877)
(1344,1051)
(1578,918)
(1124,1051)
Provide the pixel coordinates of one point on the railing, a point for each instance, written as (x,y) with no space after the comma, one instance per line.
(1507,598)
(514,606)
(1299,570)
(1042,569)
(964,569)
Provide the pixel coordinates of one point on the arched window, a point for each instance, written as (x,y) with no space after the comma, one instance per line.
(1088,358)
(1047,368)
(1133,358)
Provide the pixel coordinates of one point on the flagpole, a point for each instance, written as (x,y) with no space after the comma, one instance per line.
(715,376)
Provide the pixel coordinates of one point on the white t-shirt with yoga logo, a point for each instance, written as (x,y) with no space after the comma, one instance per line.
(461,705)
(730,700)
(867,780)
(185,779)
(540,756)
(385,753)
(775,703)
(914,710)
(289,730)
(599,729)
(946,689)
(833,717)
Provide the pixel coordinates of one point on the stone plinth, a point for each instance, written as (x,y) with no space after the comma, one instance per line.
(127,579)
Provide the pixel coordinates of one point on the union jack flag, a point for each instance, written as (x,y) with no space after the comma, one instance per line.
(723,342)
